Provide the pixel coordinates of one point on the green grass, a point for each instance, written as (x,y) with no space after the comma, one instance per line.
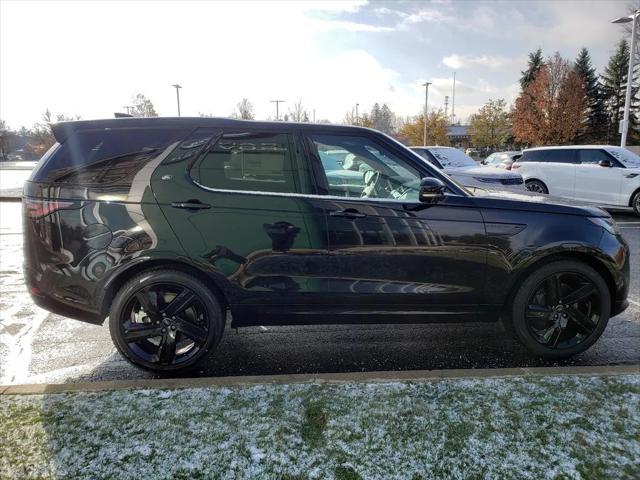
(554,427)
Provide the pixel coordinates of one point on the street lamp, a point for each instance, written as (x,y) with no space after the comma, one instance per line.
(177,87)
(627,99)
(426,100)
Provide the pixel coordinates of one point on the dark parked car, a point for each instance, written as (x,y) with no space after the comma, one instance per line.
(165,225)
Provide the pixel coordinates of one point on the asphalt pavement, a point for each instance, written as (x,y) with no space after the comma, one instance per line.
(39,347)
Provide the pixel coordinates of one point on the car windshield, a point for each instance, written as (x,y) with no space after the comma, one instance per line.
(626,157)
(452,157)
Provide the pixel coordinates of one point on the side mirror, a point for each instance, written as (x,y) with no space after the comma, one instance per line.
(605,163)
(431,190)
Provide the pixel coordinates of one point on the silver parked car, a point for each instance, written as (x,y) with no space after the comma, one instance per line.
(466,171)
(502,160)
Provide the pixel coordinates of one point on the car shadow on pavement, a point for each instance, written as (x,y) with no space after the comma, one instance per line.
(358,348)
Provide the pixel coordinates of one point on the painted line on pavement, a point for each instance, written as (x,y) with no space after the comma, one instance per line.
(350,377)
(634,302)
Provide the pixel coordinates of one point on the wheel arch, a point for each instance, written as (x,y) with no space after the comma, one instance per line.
(632,196)
(578,256)
(116,282)
(535,179)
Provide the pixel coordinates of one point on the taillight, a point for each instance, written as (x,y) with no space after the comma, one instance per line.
(509,167)
(40,208)
(515,166)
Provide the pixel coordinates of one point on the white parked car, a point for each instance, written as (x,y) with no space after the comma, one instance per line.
(601,174)
(466,170)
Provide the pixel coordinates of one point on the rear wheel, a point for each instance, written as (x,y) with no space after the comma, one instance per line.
(635,203)
(536,186)
(561,309)
(165,320)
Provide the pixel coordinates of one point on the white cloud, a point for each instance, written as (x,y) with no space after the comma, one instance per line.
(351,26)
(349,6)
(458,62)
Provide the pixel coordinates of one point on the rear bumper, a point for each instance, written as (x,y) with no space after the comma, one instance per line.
(58,306)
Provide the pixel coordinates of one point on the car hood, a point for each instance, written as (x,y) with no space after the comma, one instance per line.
(536,202)
(481,172)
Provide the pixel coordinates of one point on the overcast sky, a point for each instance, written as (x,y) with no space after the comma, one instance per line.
(89,58)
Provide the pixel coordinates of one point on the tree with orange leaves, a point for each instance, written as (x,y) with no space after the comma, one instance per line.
(550,109)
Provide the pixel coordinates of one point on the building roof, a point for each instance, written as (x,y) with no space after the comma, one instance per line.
(458,131)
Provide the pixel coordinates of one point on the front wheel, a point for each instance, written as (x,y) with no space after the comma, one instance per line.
(561,309)
(165,321)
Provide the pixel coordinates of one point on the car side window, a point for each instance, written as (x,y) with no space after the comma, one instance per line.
(559,156)
(254,162)
(108,156)
(358,167)
(590,156)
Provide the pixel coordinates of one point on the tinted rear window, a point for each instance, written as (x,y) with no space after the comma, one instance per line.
(549,156)
(107,156)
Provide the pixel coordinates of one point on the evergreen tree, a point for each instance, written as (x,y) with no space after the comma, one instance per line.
(614,84)
(594,125)
(387,120)
(535,63)
(382,118)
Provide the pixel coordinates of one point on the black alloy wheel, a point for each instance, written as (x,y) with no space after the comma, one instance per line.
(564,310)
(165,321)
(561,309)
(536,186)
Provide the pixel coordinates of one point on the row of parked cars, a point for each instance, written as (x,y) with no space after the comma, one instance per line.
(604,175)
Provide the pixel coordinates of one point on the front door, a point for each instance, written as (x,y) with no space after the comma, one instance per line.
(595,183)
(392,257)
(240,210)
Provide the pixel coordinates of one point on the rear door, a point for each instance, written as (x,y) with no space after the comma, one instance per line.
(242,210)
(391,257)
(555,167)
(595,183)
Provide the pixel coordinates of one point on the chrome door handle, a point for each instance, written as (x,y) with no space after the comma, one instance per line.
(191,205)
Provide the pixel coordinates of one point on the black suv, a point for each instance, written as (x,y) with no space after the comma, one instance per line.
(164,225)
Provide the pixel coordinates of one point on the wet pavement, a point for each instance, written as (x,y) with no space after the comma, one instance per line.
(39,347)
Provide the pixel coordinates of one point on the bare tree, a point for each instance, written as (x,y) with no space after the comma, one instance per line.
(298,113)
(5,135)
(142,107)
(244,110)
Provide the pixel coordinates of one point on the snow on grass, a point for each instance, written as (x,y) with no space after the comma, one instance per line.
(554,427)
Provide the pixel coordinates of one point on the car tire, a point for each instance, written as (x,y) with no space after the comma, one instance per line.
(548,324)
(165,321)
(536,186)
(635,203)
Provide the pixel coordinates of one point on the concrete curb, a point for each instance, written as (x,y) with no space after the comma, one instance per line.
(335,378)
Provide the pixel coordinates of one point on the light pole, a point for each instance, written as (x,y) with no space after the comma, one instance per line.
(627,99)
(177,87)
(426,100)
(357,122)
(277,102)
